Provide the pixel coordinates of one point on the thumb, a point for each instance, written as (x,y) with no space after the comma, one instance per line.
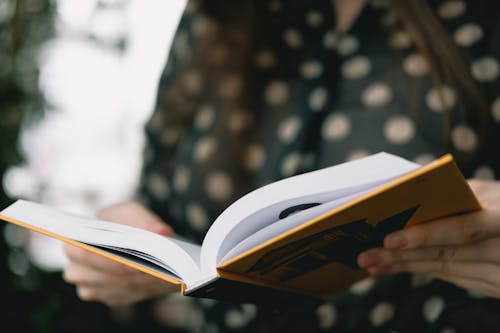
(136,215)
(161,228)
(152,222)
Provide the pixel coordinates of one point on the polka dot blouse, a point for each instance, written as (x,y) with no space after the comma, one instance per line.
(322,98)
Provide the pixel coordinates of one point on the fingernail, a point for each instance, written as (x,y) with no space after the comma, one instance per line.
(368,259)
(162,230)
(396,241)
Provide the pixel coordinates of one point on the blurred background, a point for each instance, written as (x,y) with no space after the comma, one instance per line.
(77,82)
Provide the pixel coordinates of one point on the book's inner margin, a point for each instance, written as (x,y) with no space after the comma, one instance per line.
(139,258)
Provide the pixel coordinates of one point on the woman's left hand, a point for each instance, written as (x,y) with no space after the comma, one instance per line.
(463,250)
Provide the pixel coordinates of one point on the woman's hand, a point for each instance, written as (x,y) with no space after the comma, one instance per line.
(103,280)
(463,250)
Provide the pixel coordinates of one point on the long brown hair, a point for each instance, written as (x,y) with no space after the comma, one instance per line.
(446,64)
(234,34)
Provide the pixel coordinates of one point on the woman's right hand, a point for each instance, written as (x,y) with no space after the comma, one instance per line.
(103,280)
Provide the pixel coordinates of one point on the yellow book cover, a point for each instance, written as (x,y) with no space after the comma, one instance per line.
(294,240)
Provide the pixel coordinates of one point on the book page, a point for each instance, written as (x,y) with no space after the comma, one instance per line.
(263,206)
(174,255)
(285,224)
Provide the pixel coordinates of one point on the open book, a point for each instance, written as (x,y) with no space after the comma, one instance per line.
(296,237)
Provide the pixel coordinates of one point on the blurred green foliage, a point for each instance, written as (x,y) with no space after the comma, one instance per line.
(24,26)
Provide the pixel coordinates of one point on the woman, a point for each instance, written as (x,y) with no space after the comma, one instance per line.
(259,90)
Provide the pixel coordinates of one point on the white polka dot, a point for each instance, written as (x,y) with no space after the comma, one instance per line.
(235,319)
(424,159)
(311,69)
(293,38)
(219,186)
(381,314)
(207,302)
(376,95)
(230,87)
(314,18)
(238,121)
(157,119)
(484,172)
(218,54)
(291,164)
(347,45)
(356,68)
(196,216)
(318,98)
(265,59)
(158,186)
(419,280)
(276,93)
(495,109)
(255,157)
(181,178)
(288,129)
(205,117)
(440,99)
(485,69)
(204,26)
(399,129)
(432,308)
(169,136)
(192,82)
(363,286)
(415,65)
(327,316)
(330,39)
(400,40)
(336,127)
(464,138)
(191,7)
(468,34)
(204,149)
(357,154)
(448,330)
(249,310)
(451,9)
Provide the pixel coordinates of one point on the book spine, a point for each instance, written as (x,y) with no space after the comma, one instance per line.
(244,293)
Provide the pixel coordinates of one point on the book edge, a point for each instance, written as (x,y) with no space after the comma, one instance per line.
(96,251)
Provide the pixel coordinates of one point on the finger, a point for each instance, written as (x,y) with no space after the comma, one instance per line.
(477,286)
(110,296)
(136,215)
(125,290)
(454,230)
(486,272)
(484,251)
(86,275)
(97,262)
